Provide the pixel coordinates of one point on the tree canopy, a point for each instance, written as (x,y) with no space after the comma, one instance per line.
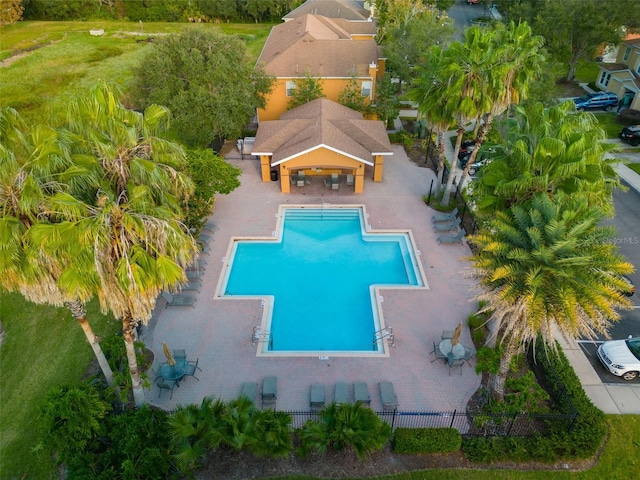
(307,89)
(205,79)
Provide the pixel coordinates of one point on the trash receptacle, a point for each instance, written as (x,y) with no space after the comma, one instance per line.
(274,175)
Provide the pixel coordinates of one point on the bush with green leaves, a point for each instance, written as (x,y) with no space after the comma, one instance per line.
(134,446)
(402,137)
(426,440)
(115,350)
(341,426)
(70,417)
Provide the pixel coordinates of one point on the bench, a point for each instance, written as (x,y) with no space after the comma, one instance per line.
(388,396)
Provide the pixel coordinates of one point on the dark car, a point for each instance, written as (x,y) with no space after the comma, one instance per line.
(604,100)
(483,158)
(630,135)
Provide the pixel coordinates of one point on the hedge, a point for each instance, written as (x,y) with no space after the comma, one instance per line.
(426,440)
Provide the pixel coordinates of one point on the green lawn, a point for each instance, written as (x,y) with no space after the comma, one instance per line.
(634,166)
(586,71)
(43,347)
(61,58)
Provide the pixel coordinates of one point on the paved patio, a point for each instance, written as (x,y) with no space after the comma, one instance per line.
(218,332)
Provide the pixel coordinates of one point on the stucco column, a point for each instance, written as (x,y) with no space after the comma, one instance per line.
(378,165)
(265,168)
(358,186)
(285,180)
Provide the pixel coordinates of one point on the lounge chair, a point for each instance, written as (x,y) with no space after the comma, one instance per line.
(452,238)
(192,285)
(444,226)
(269,392)
(193,274)
(468,355)
(203,238)
(341,395)
(178,301)
(249,390)
(445,217)
(164,384)
(388,396)
(361,393)
(350,181)
(316,396)
(199,265)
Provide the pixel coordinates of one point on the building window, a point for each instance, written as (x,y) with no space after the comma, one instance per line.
(606,80)
(638,68)
(626,54)
(291,86)
(366,89)
(602,75)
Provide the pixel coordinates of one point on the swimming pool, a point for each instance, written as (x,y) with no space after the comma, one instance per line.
(319,275)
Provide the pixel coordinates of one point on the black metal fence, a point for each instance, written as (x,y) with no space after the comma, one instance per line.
(471,424)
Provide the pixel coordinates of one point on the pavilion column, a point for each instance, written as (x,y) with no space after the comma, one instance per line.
(378,165)
(265,168)
(358,186)
(285,180)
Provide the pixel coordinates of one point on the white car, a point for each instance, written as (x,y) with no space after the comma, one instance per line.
(621,357)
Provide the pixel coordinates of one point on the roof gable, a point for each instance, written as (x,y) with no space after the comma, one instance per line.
(347,9)
(322,123)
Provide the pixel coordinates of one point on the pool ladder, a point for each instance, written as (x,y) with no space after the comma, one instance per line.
(259,336)
(386,332)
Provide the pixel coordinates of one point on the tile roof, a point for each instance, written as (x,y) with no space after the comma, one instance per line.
(318,123)
(347,9)
(318,45)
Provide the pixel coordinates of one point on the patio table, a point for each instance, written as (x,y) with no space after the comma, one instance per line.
(453,352)
(173,372)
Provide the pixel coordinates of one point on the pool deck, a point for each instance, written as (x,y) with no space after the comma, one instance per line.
(218,331)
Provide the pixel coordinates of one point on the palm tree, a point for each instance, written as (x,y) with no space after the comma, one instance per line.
(548,266)
(518,63)
(128,241)
(547,150)
(32,168)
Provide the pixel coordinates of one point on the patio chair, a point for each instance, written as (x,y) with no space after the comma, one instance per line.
(300,183)
(249,390)
(269,392)
(203,238)
(350,180)
(190,369)
(335,186)
(445,216)
(335,178)
(439,354)
(199,265)
(178,301)
(361,393)
(468,355)
(180,355)
(316,396)
(341,395)
(164,384)
(193,274)
(191,362)
(446,334)
(444,226)
(388,396)
(452,238)
(456,363)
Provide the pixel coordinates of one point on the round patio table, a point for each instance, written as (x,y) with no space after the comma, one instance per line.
(173,372)
(454,352)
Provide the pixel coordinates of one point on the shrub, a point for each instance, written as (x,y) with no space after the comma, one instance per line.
(426,440)
(402,137)
(628,116)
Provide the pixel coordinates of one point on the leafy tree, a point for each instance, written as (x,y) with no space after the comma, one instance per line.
(127,242)
(205,79)
(211,174)
(34,164)
(385,104)
(10,11)
(351,97)
(407,42)
(70,417)
(307,89)
(551,150)
(575,29)
(548,265)
(343,426)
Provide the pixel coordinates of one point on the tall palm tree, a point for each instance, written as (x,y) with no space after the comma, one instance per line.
(34,166)
(518,64)
(547,150)
(128,239)
(548,266)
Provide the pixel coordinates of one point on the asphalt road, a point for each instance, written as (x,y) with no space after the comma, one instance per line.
(627,223)
(462,13)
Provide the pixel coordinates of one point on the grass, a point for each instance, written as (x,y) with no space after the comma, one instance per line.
(634,166)
(61,59)
(608,123)
(586,71)
(43,347)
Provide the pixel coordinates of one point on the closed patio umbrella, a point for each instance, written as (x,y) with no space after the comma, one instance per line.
(168,354)
(456,334)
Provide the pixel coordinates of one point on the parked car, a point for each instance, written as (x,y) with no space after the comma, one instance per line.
(630,135)
(621,357)
(631,287)
(603,100)
(484,157)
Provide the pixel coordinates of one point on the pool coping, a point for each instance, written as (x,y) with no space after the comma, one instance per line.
(376,296)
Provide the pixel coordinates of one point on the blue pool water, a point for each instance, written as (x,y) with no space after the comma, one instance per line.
(320,273)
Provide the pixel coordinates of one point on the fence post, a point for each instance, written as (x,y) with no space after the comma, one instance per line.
(453,418)
(430,189)
(393,420)
(464,210)
(513,420)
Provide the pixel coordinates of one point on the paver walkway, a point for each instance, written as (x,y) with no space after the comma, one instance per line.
(218,332)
